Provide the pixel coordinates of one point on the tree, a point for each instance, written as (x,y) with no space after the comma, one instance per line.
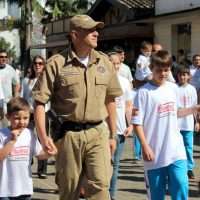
(51,9)
(8,47)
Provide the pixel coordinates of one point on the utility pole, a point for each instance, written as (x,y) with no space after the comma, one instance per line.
(28,27)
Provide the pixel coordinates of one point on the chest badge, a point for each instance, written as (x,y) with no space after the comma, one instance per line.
(101,69)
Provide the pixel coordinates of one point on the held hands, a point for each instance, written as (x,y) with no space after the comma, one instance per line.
(196,108)
(49,147)
(147,152)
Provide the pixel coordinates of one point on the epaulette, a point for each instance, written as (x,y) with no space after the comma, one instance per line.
(57,58)
(103,54)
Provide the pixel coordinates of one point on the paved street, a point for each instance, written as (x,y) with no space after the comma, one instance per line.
(131,180)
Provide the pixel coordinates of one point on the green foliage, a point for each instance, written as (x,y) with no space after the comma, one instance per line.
(7,46)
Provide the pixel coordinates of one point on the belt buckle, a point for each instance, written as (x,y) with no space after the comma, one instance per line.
(87,126)
(77,127)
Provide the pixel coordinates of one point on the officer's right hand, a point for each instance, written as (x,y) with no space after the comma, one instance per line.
(112,146)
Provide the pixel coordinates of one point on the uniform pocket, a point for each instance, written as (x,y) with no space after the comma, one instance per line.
(70,86)
(101,83)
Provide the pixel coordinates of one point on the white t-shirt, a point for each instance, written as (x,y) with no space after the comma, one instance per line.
(158,115)
(125,71)
(121,104)
(187,98)
(142,68)
(192,70)
(15,170)
(8,78)
(195,80)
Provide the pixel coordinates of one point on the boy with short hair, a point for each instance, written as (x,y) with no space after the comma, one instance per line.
(157,128)
(17,147)
(143,72)
(187,98)
(123,118)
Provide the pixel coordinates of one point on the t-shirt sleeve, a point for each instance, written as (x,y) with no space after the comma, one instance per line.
(128,92)
(15,77)
(139,103)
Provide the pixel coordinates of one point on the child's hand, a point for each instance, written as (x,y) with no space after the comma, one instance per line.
(147,152)
(197,127)
(15,133)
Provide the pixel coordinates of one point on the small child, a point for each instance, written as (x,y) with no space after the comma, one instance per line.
(156,125)
(187,98)
(18,145)
(143,72)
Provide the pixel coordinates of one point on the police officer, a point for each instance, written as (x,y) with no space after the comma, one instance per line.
(82,87)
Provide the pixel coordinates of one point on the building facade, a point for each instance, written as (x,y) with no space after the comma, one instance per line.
(176,25)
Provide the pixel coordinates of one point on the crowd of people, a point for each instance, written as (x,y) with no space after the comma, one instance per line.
(97,103)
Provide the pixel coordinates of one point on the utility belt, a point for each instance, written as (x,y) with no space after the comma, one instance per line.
(73,126)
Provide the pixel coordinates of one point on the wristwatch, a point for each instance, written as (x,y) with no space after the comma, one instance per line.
(113,136)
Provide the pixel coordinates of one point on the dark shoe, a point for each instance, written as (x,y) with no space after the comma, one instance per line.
(42,176)
(190,174)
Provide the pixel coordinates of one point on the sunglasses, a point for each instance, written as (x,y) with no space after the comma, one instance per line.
(38,63)
(3,56)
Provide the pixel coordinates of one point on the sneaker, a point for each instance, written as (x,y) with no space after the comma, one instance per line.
(42,176)
(190,174)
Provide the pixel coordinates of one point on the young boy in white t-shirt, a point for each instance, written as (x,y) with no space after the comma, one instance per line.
(156,125)
(17,147)
(143,71)
(187,98)
(123,118)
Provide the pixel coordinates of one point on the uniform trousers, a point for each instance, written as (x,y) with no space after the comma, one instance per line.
(173,176)
(85,154)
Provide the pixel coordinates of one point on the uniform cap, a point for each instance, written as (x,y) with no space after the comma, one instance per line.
(84,22)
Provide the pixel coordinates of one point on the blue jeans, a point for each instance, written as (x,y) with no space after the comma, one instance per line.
(116,162)
(137,147)
(22,197)
(173,175)
(188,143)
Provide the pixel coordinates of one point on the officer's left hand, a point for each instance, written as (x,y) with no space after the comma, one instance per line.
(112,146)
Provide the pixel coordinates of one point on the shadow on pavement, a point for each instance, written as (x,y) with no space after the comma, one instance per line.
(141,191)
(132,178)
(51,191)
